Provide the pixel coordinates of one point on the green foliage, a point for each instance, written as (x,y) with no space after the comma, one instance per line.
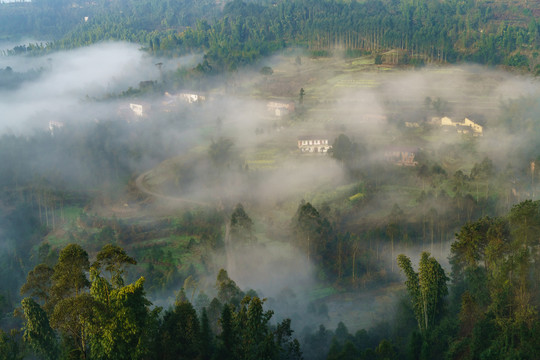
(38,283)
(241,33)
(241,225)
(113,259)
(307,225)
(123,323)
(94,318)
(207,339)
(343,149)
(246,334)
(301,95)
(386,350)
(72,316)
(427,289)
(180,333)
(69,277)
(493,259)
(228,291)
(10,347)
(220,151)
(228,337)
(518,61)
(483,170)
(525,222)
(37,330)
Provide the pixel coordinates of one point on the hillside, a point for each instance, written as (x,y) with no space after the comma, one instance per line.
(236,33)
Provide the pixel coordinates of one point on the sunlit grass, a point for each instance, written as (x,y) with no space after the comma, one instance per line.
(321,293)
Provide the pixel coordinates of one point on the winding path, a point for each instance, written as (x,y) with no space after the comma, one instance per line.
(139,183)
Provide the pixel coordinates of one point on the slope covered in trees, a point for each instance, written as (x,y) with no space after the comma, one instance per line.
(487,306)
(239,32)
(69,314)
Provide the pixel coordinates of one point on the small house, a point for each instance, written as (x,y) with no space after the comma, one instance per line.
(53,125)
(476,128)
(313,144)
(401,155)
(280,109)
(137,109)
(465,127)
(189,97)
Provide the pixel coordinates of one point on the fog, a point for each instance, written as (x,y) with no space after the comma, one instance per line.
(262,166)
(68,78)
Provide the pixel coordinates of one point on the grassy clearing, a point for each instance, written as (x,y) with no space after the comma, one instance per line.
(264,158)
(366,60)
(58,242)
(335,196)
(71,213)
(177,246)
(321,293)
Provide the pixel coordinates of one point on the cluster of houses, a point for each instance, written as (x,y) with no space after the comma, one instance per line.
(466,126)
(140,110)
(397,155)
(400,156)
(190,98)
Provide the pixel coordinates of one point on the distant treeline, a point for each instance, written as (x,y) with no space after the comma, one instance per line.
(10,79)
(241,32)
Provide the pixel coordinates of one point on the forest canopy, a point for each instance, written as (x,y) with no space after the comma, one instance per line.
(236,33)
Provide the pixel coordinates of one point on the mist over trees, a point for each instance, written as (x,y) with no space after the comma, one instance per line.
(236,33)
(102,317)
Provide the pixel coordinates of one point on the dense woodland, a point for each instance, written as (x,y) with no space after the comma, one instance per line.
(235,33)
(486,306)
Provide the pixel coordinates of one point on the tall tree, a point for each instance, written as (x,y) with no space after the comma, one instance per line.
(228,338)
(228,291)
(427,289)
(207,337)
(307,226)
(38,331)
(114,259)
(69,278)
(393,229)
(344,150)
(180,335)
(123,323)
(241,225)
(38,283)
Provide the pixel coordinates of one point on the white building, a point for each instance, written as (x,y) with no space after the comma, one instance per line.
(280,108)
(137,109)
(190,98)
(464,127)
(55,125)
(313,144)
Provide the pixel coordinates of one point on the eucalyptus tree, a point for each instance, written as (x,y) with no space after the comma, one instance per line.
(38,331)
(307,227)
